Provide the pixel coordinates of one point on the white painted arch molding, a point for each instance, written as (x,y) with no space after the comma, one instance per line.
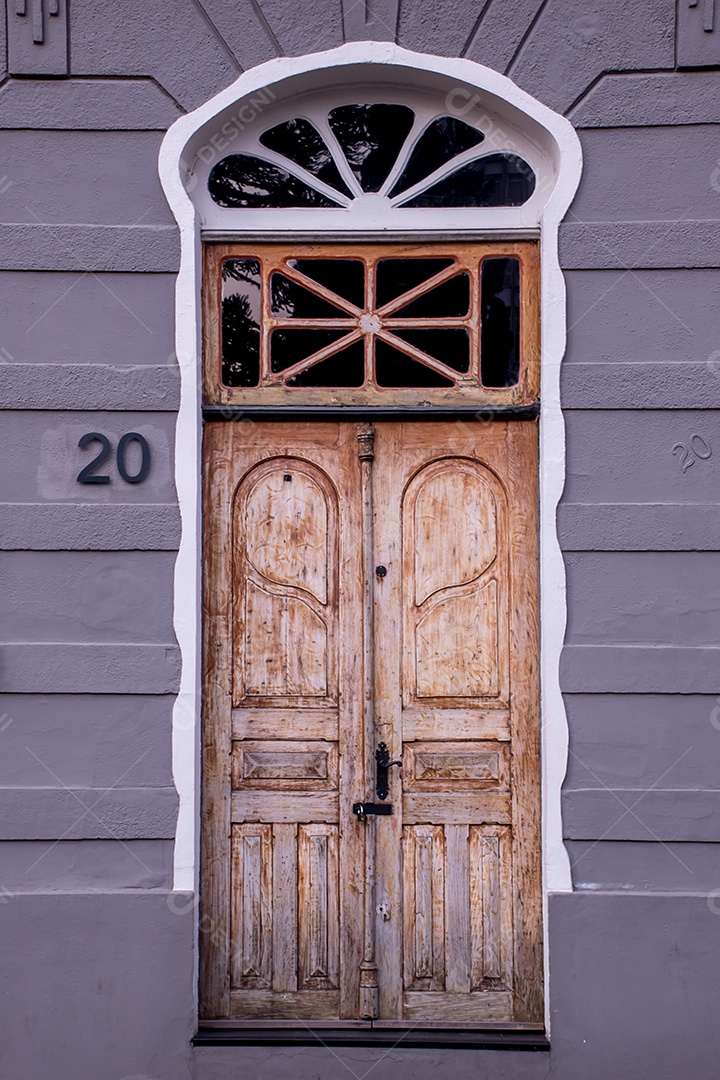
(516,122)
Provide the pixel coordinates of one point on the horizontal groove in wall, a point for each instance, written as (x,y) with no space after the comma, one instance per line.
(639,526)
(652,814)
(631,245)
(85,865)
(86,104)
(135,388)
(89,527)
(88,248)
(620,385)
(640,669)
(644,865)
(68,668)
(650,99)
(115,813)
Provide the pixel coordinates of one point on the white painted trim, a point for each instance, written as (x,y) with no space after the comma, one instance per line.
(175,167)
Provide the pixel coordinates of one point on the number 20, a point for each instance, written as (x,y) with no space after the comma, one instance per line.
(699,448)
(88,474)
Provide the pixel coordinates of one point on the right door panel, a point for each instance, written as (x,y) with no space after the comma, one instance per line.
(457,690)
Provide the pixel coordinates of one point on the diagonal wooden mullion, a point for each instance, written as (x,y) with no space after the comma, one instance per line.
(411,323)
(319,290)
(316,357)
(421,289)
(421,357)
(312,324)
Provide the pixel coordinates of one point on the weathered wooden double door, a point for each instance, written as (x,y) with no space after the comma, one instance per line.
(367,585)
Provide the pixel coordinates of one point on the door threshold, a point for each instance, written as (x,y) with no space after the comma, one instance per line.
(389,1036)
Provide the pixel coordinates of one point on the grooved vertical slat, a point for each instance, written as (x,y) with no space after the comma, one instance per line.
(317,907)
(409,963)
(491,889)
(285,886)
(457,909)
(251,959)
(423,906)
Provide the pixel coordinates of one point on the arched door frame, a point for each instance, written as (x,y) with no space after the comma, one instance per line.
(179,149)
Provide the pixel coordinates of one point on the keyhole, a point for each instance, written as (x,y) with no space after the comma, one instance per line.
(381,571)
(287,476)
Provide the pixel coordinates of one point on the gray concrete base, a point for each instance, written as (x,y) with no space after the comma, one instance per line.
(103,990)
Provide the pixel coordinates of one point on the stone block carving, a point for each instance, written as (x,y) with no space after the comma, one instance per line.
(37,37)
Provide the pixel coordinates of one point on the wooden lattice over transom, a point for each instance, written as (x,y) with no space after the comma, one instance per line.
(372,324)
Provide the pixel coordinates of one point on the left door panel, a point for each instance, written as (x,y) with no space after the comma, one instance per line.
(282,743)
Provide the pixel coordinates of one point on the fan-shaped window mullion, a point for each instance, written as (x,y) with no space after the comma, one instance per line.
(416,354)
(343,165)
(475,153)
(424,287)
(421,122)
(264,153)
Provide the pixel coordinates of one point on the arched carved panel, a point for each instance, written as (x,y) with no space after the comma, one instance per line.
(451,557)
(287,531)
(285,585)
(455,585)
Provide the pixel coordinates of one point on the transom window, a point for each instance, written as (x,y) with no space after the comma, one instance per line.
(372,323)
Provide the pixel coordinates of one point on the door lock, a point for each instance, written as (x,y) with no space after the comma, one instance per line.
(383,764)
(368,809)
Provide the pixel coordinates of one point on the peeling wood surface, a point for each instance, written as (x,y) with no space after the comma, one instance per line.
(457,873)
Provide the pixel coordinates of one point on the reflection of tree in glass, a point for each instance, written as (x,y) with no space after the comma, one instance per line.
(240,342)
(241,180)
(302,143)
(282,302)
(242,270)
(371,137)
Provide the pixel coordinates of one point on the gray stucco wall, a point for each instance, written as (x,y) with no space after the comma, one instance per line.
(97,965)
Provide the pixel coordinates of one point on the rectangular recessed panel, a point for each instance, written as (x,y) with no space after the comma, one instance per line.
(278,766)
(456,766)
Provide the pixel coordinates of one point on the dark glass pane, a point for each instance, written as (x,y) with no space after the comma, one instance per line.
(496,180)
(302,143)
(444,139)
(395,369)
(398,276)
(371,137)
(241,180)
(288,347)
(291,301)
(451,347)
(449,300)
(346,277)
(346,368)
(241,322)
(500,309)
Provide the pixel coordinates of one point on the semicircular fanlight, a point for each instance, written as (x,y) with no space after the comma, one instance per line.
(361,150)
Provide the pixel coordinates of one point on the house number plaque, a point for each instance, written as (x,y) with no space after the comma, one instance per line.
(89,474)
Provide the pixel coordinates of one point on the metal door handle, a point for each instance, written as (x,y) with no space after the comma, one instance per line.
(383,764)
